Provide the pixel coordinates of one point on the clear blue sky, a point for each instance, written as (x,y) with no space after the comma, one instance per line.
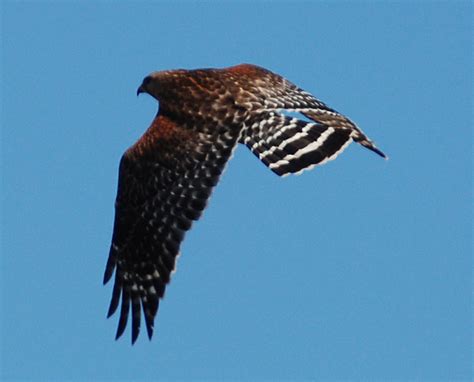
(359,269)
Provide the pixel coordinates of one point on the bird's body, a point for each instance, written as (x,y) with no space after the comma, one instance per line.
(166,178)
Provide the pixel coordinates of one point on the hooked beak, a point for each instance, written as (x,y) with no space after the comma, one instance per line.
(143,87)
(140,90)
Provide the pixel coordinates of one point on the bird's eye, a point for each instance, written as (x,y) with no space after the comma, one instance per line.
(146,80)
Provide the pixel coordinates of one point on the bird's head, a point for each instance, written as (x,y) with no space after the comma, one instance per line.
(148,86)
(162,84)
(154,84)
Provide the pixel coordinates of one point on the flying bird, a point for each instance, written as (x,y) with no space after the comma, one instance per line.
(167,176)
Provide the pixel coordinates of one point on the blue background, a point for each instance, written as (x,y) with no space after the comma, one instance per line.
(359,269)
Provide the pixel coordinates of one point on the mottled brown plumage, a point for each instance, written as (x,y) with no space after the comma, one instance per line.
(166,178)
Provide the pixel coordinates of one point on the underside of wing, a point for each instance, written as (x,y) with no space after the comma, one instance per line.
(165,181)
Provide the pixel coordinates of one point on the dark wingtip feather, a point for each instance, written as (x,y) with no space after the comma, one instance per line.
(369,145)
(149,330)
(136,318)
(109,268)
(150,310)
(107,275)
(379,152)
(115,295)
(123,312)
(135,333)
(113,306)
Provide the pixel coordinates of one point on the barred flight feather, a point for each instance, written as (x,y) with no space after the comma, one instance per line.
(289,145)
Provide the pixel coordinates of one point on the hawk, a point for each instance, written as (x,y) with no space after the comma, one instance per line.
(167,176)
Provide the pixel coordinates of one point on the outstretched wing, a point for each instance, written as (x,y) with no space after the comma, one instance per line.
(290,145)
(165,180)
